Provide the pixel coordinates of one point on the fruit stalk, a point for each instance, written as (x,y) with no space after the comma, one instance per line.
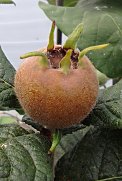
(56,137)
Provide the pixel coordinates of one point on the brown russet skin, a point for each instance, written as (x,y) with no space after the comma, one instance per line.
(54,99)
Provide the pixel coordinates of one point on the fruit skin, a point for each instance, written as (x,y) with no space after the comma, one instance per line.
(54,99)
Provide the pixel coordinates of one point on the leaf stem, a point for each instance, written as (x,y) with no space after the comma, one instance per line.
(111,178)
(2,80)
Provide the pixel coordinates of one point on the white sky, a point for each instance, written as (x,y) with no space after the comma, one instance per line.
(23,28)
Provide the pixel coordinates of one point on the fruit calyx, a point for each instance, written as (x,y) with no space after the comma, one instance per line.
(42,58)
(50,45)
(91,48)
(55,55)
(65,63)
(71,42)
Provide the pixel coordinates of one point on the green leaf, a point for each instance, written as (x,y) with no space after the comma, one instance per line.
(102,24)
(66,2)
(24,155)
(69,141)
(8,120)
(108,111)
(6,2)
(7,71)
(8,99)
(97,156)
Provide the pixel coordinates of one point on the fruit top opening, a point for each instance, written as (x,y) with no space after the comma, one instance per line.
(55,55)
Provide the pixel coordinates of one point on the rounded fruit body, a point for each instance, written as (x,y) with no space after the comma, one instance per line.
(54,99)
